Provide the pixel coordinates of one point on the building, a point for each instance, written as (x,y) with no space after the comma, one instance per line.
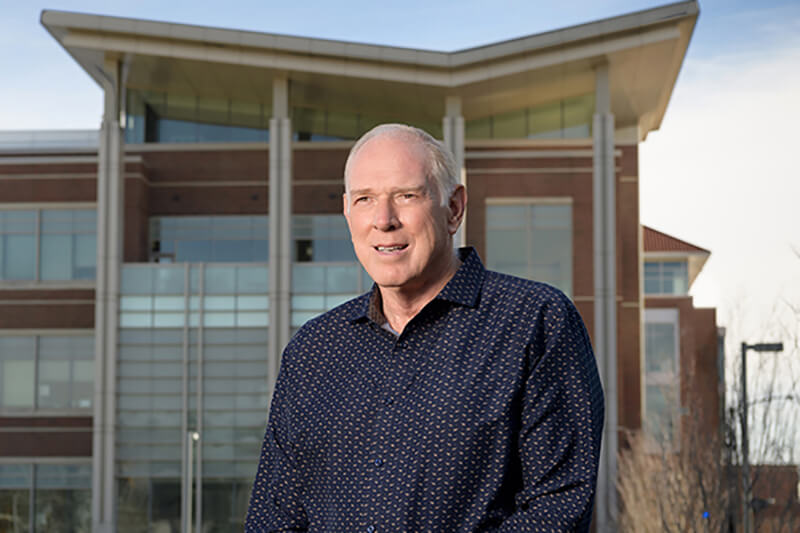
(684,377)
(150,277)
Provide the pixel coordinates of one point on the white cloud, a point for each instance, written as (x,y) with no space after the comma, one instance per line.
(722,171)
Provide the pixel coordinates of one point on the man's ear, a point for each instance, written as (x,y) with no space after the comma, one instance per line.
(344,206)
(456,208)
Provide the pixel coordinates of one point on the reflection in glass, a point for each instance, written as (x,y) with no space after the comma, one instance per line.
(219,238)
(17,372)
(569,118)
(531,241)
(666,277)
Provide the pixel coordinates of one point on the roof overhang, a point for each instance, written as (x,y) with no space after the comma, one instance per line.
(643,50)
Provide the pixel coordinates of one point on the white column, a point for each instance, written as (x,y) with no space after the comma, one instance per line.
(110,216)
(280,223)
(605,290)
(453,133)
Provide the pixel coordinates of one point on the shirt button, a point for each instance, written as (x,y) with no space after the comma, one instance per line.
(370,529)
(389,401)
(377,462)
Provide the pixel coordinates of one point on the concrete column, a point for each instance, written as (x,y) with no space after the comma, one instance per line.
(110,216)
(605,290)
(280,223)
(453,133)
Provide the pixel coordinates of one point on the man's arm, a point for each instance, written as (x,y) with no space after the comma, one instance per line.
(275,503)
(561,426)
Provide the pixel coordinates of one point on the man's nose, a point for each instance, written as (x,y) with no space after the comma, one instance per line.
(385,216)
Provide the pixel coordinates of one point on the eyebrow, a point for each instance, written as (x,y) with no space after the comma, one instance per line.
(419,189)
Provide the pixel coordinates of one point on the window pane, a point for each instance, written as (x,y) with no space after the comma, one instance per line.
(85,256)
(661,402)
(532,241)
(66,372)
(16,372)
(19,256)
(15,510)
(56,257)
(660,349)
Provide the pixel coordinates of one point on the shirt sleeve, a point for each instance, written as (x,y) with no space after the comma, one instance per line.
(275,502)
(561,426)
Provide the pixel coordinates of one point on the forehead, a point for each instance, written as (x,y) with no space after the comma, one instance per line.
(388,159)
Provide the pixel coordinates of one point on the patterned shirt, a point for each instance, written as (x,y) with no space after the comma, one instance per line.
(484,414)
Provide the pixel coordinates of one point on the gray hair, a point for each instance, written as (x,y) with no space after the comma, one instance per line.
(440,164)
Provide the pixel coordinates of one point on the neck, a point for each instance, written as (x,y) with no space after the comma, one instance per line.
(401,304)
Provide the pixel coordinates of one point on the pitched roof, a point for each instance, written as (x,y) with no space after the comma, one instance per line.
(657,241)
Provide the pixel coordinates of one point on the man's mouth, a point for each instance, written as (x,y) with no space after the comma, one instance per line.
(391,248)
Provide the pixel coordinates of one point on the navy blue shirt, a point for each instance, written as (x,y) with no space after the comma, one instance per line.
(484,414)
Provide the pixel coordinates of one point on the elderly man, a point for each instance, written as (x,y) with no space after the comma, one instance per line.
(448,398)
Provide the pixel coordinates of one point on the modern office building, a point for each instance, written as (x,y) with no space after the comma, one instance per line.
(151,273)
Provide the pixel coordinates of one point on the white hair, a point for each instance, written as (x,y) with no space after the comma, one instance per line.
(440,165)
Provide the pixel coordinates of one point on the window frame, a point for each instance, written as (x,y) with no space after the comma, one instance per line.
(37,209)
(35,410)
(668,315)
(32,464)
(536,201)
(660,262)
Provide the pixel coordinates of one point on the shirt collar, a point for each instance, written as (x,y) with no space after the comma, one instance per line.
(464,288)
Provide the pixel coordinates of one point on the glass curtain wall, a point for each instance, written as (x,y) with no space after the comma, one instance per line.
(228,238)
(569,118)
(161,117)
(531,241)
(45,498)
(192,359)
(325,271)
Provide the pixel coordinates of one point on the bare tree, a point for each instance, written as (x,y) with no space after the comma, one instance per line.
(693,482)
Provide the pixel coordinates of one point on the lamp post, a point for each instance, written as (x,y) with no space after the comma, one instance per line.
(747,511)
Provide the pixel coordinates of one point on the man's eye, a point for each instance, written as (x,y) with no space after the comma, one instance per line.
(361,199)
(408,196)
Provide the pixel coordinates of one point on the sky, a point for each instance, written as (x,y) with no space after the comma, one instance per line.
(719,173)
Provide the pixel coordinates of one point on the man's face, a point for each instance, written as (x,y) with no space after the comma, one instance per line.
(400,231)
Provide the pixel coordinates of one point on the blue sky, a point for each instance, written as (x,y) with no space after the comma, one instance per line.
(721,172)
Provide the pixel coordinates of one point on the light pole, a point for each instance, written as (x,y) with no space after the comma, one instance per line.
(747,496)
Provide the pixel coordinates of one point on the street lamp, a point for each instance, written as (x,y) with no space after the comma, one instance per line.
(747,512)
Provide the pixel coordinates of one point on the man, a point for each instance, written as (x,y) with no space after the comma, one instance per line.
(449,398)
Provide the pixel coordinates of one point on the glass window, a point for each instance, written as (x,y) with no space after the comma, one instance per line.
(182,118)
(662,391)
(62,499)
(68,244)
(532,241)
(65,240)
(569,118)
(17,371)
(321,238)
(18,245)
(59,375)
(666,277)
(219,239)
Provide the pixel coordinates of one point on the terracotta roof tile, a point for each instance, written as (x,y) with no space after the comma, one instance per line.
(657,241)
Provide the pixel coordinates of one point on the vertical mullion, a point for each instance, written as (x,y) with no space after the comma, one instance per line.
(186,482)
(35,373)
(199,407)
(38,240)
(32,501)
